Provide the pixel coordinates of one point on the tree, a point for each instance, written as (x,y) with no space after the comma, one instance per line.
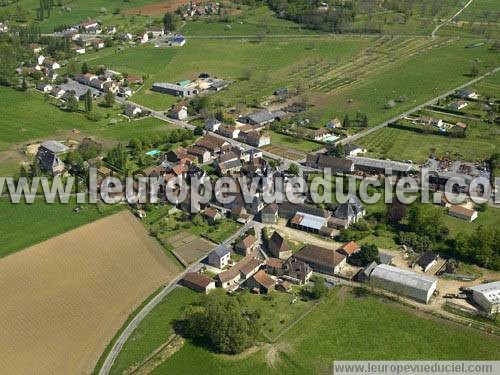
(198,131)
(346,123)
(85,68)
(109,99)
(72,104)
(396,212)
(223,321)
(88,101)
(368,254)
(89,149)
(73,68)
(474,70)
(24,86)
(337,150)
(75,161)
(169,21)
(426,220)
(319,289)
(293,169)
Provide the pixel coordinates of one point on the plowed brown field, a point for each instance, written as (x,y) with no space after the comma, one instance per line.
(156,9)
(63,300)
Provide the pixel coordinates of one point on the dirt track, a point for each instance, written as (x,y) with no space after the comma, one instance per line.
(64,299)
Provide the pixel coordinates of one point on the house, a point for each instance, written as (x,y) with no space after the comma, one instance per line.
(336,165)
(40,59)
(49,156)
(262,282)
(142,37)
(457,105)
(242,270)
(427,260)
(132,111)
(250,267)
(269,214)
(430,121)
(353,149)
(278,246)
(219,257)
(334,124)
(211,215)
(212,124)
(256,139)
(51,64)
(297,271)
(274,266)
(57,92)
(176,41)
(110,30)
(215,145)
(179,112)
(321,260)
(403,282)
(91,27)
(198,282)
(202,155)
(228,131)
(487,296)
(156,31)
(233,165)
(462,212)
(246,245)
(98,43)
(321,133)
(467,94)
(44,87)
(281,93)
(174,89)
(125,37)
(349,248)
(351,211)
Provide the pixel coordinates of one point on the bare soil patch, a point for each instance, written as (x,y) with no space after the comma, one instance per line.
(65,298)
(156,8)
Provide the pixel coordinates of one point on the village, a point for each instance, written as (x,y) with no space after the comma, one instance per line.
(206,109)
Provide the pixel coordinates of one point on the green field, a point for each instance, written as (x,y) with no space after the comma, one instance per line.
(24,224)
(81,10)
(154,329)
(290,142)
(341,327)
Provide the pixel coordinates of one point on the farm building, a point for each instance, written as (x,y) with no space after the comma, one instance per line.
(278,246)
(198,282)
(487,296)
(297,271)
(311,223)
(269,214)
(349,248)
(370,165)
(403,282)
(262,282)
(174,89)
(262,118)
(337,165)
(462,212)
(219,257)
(321,259)
(427,260)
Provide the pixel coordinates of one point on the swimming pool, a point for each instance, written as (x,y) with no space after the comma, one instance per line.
(153,152)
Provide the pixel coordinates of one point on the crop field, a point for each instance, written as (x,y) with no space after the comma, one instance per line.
(188,247)
(156,8)
(387,332)
(77,290)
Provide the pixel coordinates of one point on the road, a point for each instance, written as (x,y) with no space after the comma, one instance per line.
(417,108)
(134,323)
(433,34)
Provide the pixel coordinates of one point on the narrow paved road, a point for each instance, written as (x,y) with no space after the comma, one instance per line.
(433,34)
(134,323)
(417,108)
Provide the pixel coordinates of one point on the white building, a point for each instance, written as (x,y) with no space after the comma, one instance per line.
(487,296)
(403,282)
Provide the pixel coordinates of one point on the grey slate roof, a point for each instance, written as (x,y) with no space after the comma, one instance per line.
(349,209)
(54,147)
(221,250)
(395,166)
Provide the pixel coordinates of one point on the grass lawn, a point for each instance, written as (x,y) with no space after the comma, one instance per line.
(216,233)
(491,217)
(154,330)
(276,311)
(27,224)
(303,145)
(344,327)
